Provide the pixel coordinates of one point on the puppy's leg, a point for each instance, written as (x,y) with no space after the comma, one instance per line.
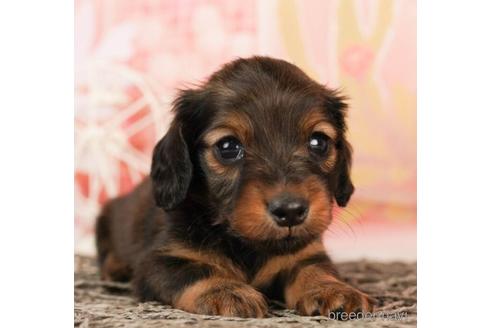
(222,296)
(111,267)
(313,288)
(198,283)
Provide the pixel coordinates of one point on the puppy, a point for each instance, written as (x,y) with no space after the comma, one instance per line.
(241,189)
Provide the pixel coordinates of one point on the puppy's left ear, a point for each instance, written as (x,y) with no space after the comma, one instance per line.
(342,185)
(172,169)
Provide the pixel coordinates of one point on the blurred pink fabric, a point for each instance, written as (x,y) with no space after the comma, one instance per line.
(131,56)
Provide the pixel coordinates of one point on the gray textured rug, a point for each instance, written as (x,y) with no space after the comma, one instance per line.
(104,304)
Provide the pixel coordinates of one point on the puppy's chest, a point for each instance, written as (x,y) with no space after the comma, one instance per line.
(265,273)
(261,270)
(248,262)
(265,269)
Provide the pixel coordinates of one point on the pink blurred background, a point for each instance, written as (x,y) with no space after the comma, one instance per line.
(130,56)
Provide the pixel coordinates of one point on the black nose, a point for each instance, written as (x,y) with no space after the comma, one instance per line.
(288,211)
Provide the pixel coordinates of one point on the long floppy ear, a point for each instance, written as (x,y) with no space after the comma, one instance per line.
(172,169)
(337,109)
(343,184)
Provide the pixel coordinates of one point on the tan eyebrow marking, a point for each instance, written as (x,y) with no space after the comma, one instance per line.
(316,122)
(215,135)
(234,124)
(326,128)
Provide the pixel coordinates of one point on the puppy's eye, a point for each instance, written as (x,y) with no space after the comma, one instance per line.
(229,150)
(318,143)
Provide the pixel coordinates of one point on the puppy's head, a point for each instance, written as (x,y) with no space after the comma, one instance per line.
(262,147)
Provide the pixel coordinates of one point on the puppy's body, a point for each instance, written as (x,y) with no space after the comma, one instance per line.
(241,189)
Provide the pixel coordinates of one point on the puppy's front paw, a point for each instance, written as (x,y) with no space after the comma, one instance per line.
(337,300)
(226,298)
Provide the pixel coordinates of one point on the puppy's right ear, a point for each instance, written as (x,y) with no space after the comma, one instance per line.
(171,168)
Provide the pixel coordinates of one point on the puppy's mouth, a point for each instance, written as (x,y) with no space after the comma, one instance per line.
(271,238)
(293,236)
(267,230)
(281,214)
(291,233)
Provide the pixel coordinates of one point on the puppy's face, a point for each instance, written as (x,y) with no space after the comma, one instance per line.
(262,146)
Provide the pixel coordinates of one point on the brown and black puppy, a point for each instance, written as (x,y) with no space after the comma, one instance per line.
(241,188)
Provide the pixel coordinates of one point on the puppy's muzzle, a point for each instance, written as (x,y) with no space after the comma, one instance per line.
(288,210)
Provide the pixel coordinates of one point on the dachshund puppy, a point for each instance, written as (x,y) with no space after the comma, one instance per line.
(241,189)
